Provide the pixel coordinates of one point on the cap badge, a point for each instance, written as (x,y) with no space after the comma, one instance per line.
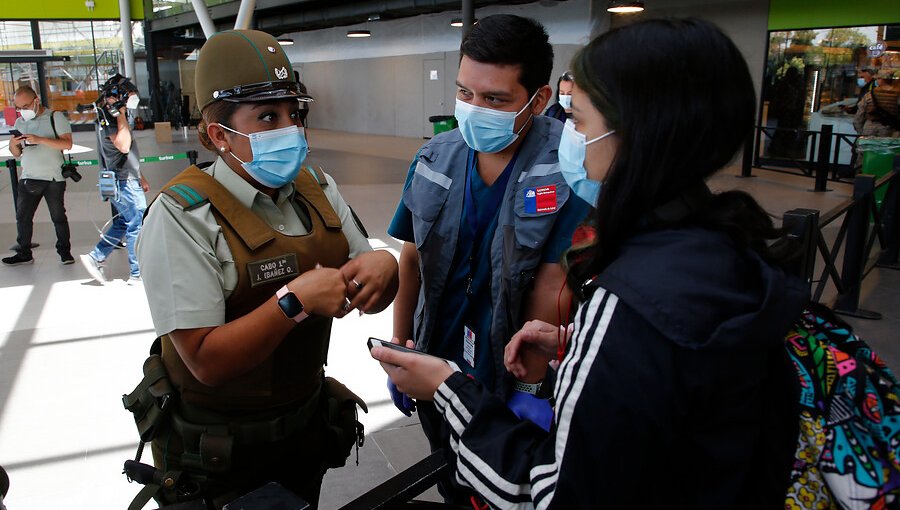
(282,73)
(271,49)
(215,94)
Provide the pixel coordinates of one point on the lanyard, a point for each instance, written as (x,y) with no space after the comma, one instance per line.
(478,225)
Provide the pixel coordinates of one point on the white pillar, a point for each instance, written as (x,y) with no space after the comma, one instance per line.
(127,44)
(245,15)
(202,12)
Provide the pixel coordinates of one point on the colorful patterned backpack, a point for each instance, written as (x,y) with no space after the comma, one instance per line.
(848,451)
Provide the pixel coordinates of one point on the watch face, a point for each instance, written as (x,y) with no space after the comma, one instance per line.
(290,305)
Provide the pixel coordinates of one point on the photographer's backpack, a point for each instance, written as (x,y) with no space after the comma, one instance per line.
(848,451)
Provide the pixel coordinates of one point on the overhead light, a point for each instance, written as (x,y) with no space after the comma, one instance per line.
(374,17)
(157,8)
(286,42)
(458,22)
(625,6)
(359,33)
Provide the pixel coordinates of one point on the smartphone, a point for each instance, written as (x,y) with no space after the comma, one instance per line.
(15,132)
(374,342)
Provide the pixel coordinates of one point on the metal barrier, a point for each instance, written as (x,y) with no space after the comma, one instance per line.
(399,490)
(821,163)
(12,166)
(854,236)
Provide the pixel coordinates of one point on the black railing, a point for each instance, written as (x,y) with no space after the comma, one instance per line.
(864,223)
(822,151)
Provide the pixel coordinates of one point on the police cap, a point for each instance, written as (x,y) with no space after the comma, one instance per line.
(244,65)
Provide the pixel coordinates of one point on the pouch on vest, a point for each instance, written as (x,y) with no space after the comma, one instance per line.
(106,181)
(343,429)
(151,400)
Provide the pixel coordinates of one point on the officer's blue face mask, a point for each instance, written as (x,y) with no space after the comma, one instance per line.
(861,82)
(565,100)
(572,147)
(487,130)
(277,155)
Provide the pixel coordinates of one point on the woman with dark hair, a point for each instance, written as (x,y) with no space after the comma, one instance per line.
(246,262)
(562,108)
(672,390)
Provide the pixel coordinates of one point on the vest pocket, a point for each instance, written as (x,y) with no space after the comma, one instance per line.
(424,199)
(538,201)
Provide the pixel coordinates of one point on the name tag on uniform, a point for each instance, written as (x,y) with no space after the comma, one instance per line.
(274,269)
(541,199)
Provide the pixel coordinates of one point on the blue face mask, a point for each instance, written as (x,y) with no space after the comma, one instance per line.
(487,130)
(565,100)
(277,155)
(572,146)
(861,82)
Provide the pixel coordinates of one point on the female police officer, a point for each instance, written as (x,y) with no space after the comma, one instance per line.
(245,263)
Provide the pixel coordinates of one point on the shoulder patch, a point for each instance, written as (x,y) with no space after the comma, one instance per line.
(318,175)
(187,197)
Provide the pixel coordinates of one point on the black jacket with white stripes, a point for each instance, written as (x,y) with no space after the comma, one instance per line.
(675,390)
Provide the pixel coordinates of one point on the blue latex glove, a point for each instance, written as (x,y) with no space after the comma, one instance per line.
(402,401)
(529,407)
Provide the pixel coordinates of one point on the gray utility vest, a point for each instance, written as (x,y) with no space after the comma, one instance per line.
(435,199)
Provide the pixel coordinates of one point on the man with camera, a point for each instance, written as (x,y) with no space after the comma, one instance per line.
(39,137)
(119,153)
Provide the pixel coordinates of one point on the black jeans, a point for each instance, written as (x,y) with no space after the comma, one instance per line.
(30,193)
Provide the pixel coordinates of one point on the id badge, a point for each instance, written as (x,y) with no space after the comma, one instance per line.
(469,346)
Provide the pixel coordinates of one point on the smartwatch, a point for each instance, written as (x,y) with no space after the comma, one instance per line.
(290,306)
(526,387)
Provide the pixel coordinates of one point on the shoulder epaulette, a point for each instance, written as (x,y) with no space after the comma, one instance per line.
(186,196)
(318,175)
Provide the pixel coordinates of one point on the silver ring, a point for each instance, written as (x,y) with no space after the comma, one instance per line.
(359,286)
(346,305)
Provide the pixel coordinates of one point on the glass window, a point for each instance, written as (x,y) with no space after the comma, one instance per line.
(76,81)
(811,80)
(14,35)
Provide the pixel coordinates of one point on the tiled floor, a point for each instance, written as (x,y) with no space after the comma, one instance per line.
(69,348)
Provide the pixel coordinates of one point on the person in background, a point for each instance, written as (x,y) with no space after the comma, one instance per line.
(562,108)
(865,80)
(878,112)
(485,215)
(44,135)
(674,389)
(120,154)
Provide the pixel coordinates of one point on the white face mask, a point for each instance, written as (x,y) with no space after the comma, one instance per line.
(132,102)
(28,114)
(565,100)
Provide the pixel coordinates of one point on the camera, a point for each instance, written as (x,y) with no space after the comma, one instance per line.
(118,87)
(70,171)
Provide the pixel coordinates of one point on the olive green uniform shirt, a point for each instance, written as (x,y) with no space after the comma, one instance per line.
(186,265)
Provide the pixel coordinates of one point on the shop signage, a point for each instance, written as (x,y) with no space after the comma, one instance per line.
(876,50)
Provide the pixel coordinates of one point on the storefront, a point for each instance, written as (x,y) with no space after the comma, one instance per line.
(812,67)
